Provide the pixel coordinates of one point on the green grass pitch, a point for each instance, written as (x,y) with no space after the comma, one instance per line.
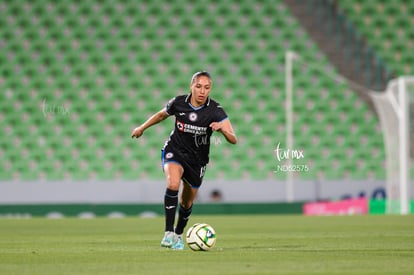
(264,244)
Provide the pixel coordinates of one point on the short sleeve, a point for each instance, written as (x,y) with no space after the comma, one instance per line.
(170,106)
(219,113)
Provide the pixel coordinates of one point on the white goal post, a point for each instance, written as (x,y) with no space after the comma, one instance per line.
(395,108)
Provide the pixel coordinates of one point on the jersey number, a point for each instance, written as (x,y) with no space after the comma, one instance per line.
(203,171)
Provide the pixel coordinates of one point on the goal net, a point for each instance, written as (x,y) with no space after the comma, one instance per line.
(344,139)
(395,108)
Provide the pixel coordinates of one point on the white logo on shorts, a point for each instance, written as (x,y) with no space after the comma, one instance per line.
(169,155)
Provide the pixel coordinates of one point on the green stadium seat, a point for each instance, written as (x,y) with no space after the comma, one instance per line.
(389,19)
(115,63)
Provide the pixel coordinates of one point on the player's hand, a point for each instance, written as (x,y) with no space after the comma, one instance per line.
(216,126)
(226,129)
(137,132)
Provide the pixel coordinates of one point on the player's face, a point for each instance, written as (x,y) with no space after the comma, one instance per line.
(200,89)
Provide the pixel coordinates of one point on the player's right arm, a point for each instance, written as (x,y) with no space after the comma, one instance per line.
(152,120)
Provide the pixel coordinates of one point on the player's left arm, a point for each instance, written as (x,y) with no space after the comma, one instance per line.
(226,129)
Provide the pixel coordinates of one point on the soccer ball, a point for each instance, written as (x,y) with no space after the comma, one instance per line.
(201,237)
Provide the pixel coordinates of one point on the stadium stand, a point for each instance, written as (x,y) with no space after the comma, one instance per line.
(387,27)
(78,76)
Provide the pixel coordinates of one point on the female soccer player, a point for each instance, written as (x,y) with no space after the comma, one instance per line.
(186,152)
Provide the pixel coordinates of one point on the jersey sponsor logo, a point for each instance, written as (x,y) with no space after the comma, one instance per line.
(192,129)
(180,126)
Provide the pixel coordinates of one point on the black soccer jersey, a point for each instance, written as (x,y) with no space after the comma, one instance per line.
(191,135)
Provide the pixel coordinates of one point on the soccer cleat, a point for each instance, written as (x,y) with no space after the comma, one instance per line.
(168,239)
(178,243)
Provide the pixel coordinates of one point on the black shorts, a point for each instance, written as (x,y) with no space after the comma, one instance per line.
(193,172)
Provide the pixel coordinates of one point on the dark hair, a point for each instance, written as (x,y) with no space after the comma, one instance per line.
(197,74)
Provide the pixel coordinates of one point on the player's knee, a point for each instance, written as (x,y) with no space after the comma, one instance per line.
(173,186)
(173,174)
(173,183)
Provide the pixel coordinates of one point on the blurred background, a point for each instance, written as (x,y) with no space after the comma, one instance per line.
(77,76)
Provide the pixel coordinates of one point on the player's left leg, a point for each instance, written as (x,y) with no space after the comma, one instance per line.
(188,195)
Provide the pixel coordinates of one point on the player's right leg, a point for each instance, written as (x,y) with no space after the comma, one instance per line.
(173,173)
(168,239)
